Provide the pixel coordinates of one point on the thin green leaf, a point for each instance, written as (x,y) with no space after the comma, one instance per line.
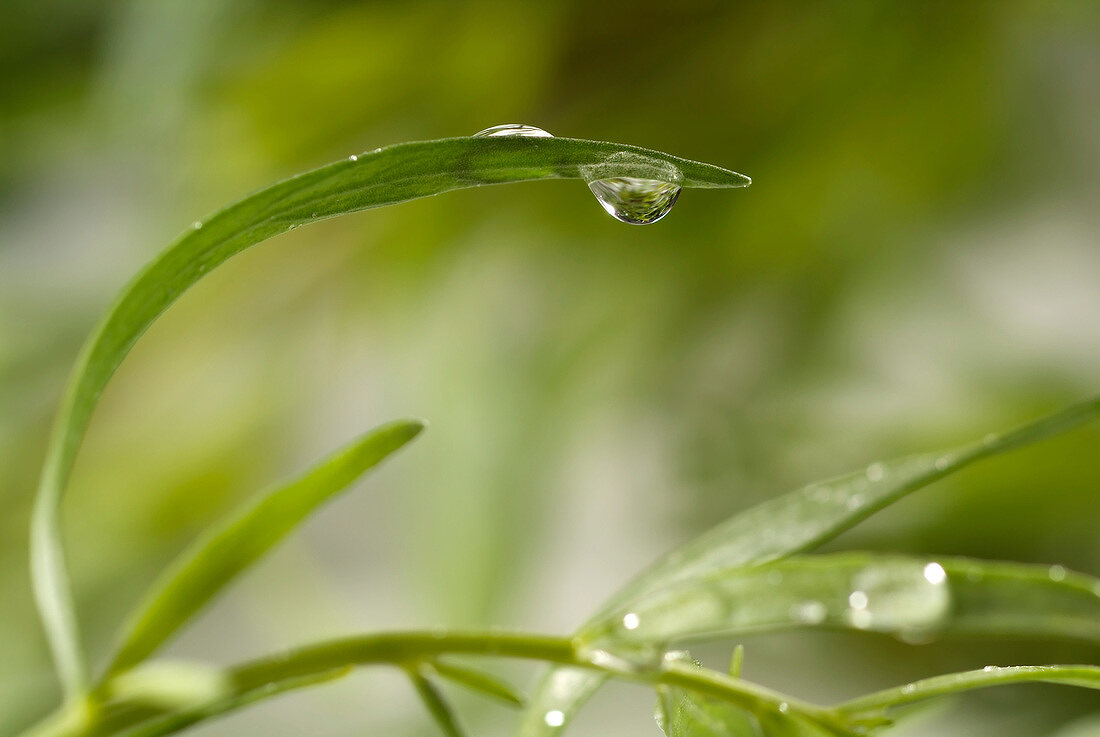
(437,705)
(913,598)
(383,177)
(169,685)
(202,570)
(681,712)
(736,661)
(480,681)
(1083,676)
(796,522)
(180,720)
(684,713)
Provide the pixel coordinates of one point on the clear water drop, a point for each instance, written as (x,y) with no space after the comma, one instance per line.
(809,612)
(875,472)
(631,621)
(353,157)
(197,224)
(784,707)
(858,600)
(516,130)
(635,201)
(934,574)
(908,688)
(855,501)
(1057,573)
(554,718)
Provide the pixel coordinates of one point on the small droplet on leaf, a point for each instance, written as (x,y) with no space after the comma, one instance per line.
(517,130)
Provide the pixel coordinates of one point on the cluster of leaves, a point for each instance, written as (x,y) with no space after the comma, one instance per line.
(748,574)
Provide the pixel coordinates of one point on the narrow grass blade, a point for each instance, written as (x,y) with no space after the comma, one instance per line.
(437,705)
(784,526)
(480,681)
(180,720)
(217,557)
(912,598)
(383,177)
(1083,676)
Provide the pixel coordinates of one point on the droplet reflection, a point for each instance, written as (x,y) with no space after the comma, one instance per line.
(635,201)
(513,129)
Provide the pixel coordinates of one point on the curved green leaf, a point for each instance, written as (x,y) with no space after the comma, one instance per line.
(436,704)
(789,524)
(1083,676)
(213,560)
(913,598)
(382,177)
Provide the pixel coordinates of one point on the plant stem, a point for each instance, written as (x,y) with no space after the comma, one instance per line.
(265,677)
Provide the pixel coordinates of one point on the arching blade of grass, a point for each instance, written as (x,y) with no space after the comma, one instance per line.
(905,596)
(784,526)
(383,177)
(1083,676)
(201,571)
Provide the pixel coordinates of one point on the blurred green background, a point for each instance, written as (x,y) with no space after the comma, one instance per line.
(916,263)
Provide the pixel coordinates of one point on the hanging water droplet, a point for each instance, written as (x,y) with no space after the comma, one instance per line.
(908,600)
(554,718)
(517,130)
(635,201)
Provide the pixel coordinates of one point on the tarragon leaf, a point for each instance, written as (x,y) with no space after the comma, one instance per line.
(784,526)
(213,560)
(385,176)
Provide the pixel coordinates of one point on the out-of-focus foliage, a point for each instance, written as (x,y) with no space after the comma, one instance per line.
(916,261)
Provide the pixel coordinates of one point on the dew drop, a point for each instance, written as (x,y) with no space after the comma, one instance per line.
(635,201)
(784,707)
(875,472)
(855,501)
(353,157)
(1057,573)
(908,688)
(935,574)
(858,600)
(942,463)
(516,130)
(631,621)
(989,669)
(197,224)
(554,718)
(809,612)
(861,618)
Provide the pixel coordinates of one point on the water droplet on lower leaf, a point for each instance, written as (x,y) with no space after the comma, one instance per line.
(517,130)
(635,201)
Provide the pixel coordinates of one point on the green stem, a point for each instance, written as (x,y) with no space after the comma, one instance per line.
(265,677)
